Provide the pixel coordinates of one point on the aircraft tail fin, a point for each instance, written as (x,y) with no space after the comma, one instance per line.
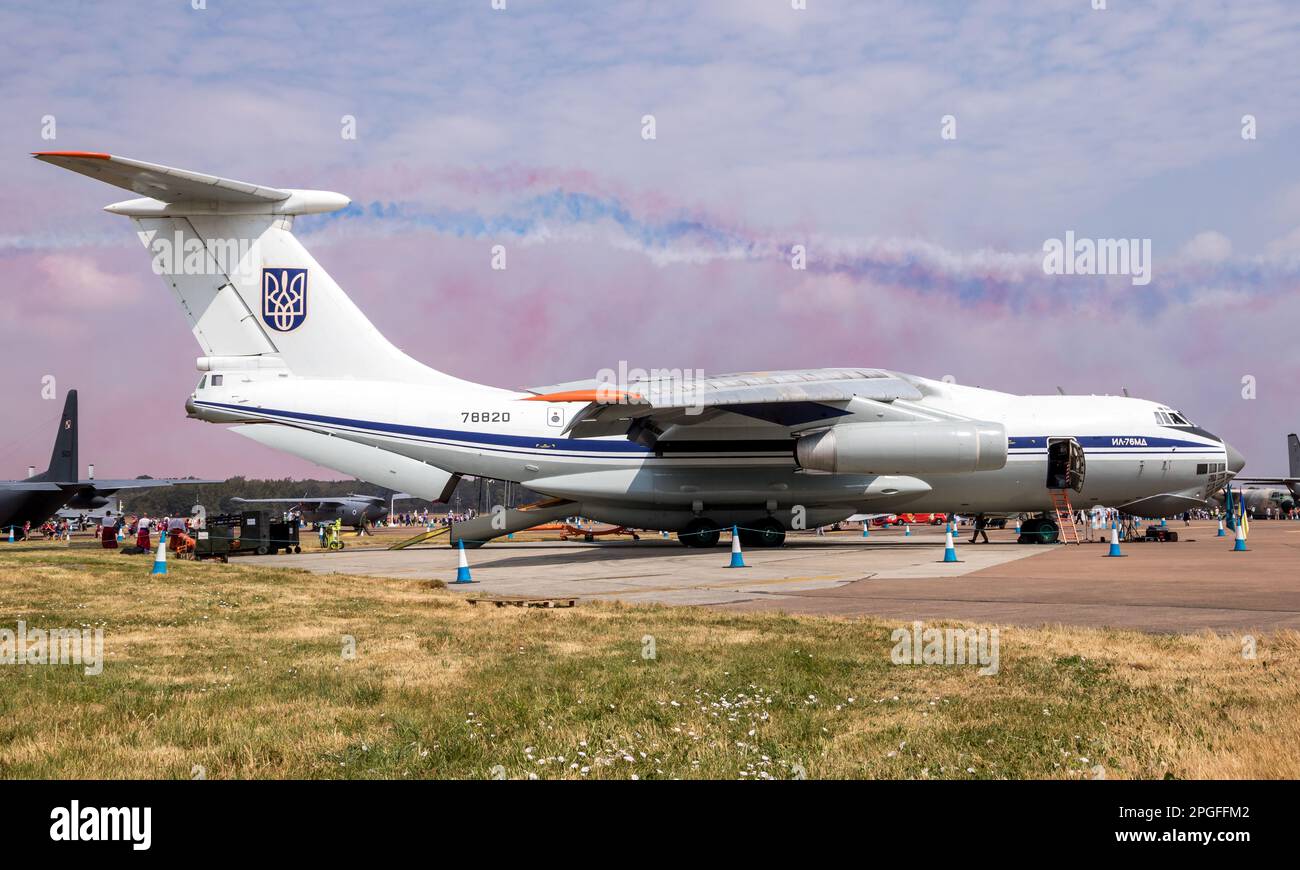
(1293,451)
(63,459)
(253,295)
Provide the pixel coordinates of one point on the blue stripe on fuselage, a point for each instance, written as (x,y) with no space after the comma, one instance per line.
(527,441)
(1105,441)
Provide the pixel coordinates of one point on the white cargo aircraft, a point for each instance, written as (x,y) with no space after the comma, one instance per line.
(294,364)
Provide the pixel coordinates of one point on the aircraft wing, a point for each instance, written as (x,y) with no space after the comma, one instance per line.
(787,398)
(323,501)
(28,486)
(1266,481)
(107,487)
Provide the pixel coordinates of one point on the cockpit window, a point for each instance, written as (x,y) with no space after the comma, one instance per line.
(1172,418)
(203,382)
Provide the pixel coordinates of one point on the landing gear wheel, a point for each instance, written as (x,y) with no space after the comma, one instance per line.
(1049,532)
(700,532)
(1029,531)
(766,532)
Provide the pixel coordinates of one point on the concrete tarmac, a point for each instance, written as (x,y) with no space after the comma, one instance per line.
(658,570)
(1194,584)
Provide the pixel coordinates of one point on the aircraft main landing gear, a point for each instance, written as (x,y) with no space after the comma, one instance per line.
(1039,530)
(700,532)
(766,532)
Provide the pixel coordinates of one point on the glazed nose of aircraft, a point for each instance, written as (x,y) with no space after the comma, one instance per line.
(1236,462)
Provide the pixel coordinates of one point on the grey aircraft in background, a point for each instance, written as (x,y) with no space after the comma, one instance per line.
(357,511)
(1260,493)
(40,496)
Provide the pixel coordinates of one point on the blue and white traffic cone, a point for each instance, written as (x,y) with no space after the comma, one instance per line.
(737,558)
(1239,545)
(866,529)
(160,559)
(11,534)
(1017,527)
(119,534)
(949,551)
(1221,533)
(907,531)
(1163,523)
(462,569)
(664,534)
(1114,540)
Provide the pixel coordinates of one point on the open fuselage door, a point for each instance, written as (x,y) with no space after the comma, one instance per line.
(1066,466)
(1066,470)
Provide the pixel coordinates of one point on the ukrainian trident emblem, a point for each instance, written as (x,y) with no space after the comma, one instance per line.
(284,298)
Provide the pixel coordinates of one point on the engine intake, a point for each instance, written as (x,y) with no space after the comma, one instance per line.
(904,448)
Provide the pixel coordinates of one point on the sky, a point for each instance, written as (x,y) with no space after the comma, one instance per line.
(921,153)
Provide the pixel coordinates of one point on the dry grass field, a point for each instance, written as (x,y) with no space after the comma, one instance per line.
(228,671)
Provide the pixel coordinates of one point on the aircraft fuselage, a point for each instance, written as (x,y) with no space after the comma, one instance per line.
(734,470)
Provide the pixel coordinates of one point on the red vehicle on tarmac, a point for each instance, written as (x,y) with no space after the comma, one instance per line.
(910,520)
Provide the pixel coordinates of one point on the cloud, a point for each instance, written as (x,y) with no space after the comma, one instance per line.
(1208,247)
(1287,247)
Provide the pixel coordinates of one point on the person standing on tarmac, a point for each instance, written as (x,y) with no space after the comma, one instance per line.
(980,524)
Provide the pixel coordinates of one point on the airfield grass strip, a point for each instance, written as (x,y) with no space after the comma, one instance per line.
(233,671)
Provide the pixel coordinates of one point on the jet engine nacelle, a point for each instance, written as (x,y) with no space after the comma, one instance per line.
(904,448)
(87,500)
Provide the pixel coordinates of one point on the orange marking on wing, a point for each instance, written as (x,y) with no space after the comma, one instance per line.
(606,396)
(90,155)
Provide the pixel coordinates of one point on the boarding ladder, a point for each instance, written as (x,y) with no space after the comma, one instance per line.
(1065,516)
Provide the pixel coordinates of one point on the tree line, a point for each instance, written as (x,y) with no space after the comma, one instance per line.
(481,494)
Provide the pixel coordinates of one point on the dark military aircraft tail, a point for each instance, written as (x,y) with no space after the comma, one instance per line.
(63,460)
(1293,448)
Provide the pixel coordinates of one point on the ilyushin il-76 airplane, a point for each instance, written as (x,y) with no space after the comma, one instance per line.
(291,362)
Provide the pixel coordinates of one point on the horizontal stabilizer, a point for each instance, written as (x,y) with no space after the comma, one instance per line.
(162,183)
